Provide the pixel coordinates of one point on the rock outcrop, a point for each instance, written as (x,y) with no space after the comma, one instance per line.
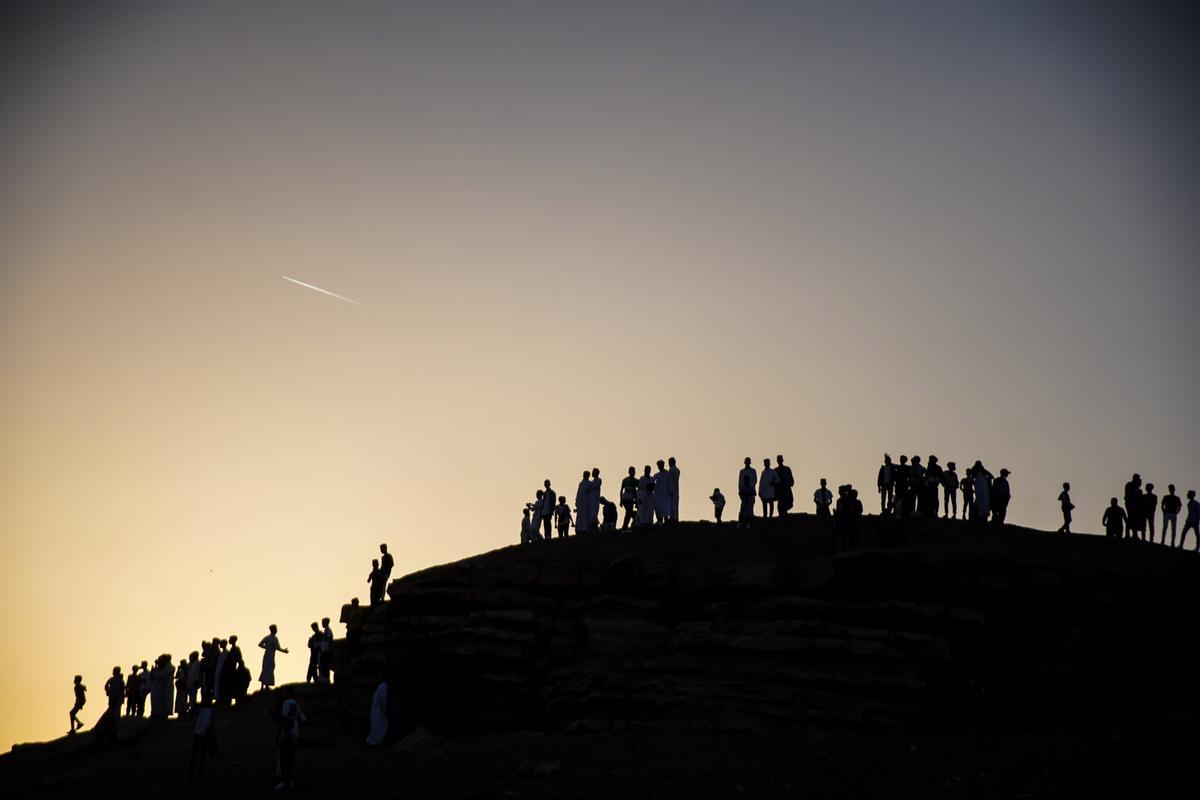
(696,627)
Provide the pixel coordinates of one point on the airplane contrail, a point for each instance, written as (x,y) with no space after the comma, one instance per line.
(323,291)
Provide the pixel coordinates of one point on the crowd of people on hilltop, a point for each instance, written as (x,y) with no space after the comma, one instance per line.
(1135,521)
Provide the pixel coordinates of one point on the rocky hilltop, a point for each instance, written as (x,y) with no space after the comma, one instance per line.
(700,661)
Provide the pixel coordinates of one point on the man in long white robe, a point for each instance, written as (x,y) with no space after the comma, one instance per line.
(594,500)
(674,470)
(645,498)
(983,491)
(583,516)
(379,720)
(662,493)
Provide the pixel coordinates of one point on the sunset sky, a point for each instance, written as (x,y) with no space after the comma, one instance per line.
(587,234)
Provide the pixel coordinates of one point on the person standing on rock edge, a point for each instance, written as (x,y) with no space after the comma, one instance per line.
(1114,521)
(1133,505)
(967,486)
(823,498)
(80,700)
(270,645)
(950,491)
(1064,498)
(645,498)
(747,493)
(933,481)
(1149,510)
(629,491)
(674,472)
(386,563)
(326,662)
(885,483)
(314,654)
(114,690)
(549,506)
(594,500)
(562,514)
(983,491)
(718,501)
(374,580)
(1192,523)
(662,494)
(785,498)
(582,510)
(766,488)
(1171,505)
(1001,494)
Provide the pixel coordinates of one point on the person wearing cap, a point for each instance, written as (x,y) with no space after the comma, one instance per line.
(1001,494)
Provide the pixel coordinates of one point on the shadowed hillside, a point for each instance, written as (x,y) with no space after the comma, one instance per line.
(947,659)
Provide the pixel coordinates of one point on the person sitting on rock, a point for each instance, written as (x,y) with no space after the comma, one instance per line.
(718,501)
(562,517)
(608,510)
(1114,520)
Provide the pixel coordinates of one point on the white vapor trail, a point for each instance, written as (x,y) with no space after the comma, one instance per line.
(323,291)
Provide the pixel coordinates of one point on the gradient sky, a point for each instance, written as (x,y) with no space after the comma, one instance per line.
(590,235)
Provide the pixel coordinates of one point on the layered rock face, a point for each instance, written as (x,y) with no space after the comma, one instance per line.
(950,627)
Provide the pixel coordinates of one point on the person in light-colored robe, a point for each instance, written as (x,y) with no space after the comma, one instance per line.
(662,493)
(379,720)
(583,515)
(983,491)
(645,498)
(270,645)
(674,470)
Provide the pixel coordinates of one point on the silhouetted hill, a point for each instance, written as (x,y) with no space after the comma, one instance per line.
(698,661)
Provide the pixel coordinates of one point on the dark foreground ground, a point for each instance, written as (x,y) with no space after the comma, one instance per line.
(152,761)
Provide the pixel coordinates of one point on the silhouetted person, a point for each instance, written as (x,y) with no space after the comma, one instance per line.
(823,499)
(766,488)
(239,676)
(747,493)
(326,663)
(181,688)
(674,473)
(314,653)
(583,511)
(132,691)
(220,686)
(194,678)
(983,491)
(847,514)
(885,483)
(1192,523)
(967,487)
(919,499)
(386,564)
(208,668)
(785,497)
(526,525)
(1133,504)
(608,510)
(162,689)
(1114,520)
(933,482)
(114,690)
(375,579)
(1149,511)
(902,502)
(290,719)
(594,499)
(80,701)
(950,491)
(144,690)
(662,493)
(629,493)
(204,740)
(563,518)
(1001,495)
(379,715)
(718,501)
(1171,506)
(645,499)
(549,507)
(353,632)
(270,646)
(1064,499)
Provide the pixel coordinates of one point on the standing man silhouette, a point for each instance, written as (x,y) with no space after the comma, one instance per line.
(674,472)
(594,500)
(1171,506)
(785,498)
(1149,510)
(549,503)
(583,513)
(629,491)
(766,488)
(662,493)
(885,482)
(1133,504)
(747,493)
(645,499)
(270,645)
(326,662)
(950,491)
(1064,498)
(386,562)
(314,654)
(1192,523)
(80,700)
(823,498)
